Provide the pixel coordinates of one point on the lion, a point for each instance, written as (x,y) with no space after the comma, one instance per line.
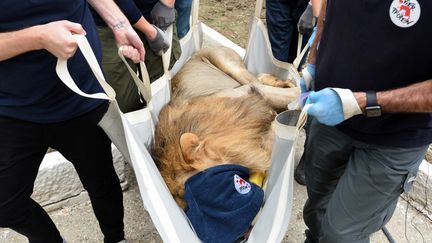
(219,114)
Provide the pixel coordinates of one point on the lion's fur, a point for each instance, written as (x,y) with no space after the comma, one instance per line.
(205,124)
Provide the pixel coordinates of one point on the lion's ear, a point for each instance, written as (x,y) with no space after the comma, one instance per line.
(188,144)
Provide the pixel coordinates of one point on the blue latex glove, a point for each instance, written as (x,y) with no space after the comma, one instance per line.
(308,77)
(326,107)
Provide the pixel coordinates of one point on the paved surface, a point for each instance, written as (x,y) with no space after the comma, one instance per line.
(78,224)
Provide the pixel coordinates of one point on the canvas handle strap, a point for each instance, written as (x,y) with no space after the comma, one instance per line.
(143,85)
(301,54)
(302,117)
(258,8)
(64,75)
(195,13)
(166,57)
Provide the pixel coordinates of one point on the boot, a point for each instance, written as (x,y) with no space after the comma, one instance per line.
(299,173)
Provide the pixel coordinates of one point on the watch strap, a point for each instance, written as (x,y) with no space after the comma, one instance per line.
(371,98)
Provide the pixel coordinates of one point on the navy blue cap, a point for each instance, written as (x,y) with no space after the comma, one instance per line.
(222,203)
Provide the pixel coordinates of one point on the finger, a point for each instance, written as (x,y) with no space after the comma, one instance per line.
(131,53)
(141,52)
(75,28)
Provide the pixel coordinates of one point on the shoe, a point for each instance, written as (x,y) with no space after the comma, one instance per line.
(123,241)
(299,173)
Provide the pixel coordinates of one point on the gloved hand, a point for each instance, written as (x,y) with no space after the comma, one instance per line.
(308,77)
(162,15)
(160,43)
(307,21)
(332,106)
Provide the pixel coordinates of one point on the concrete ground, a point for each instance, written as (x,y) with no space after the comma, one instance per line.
(78,224)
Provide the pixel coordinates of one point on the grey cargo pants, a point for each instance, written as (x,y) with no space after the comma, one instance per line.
(353,187)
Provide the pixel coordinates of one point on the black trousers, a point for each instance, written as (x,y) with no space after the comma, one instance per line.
(22,148)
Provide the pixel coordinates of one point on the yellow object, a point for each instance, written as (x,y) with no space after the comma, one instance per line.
(257,178)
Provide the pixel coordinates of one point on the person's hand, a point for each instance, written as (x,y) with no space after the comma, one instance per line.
(332,106)
(162,15)
(160,43)
(308,77)
(307,21)
(56,37)
(128,39)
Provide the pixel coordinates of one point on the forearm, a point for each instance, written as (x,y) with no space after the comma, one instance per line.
(413,98)
(17,42)
(110,13)
(320,28)
(146,28)
(316,7)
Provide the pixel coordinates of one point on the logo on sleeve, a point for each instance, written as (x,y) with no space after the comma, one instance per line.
(241,185)
(405,13)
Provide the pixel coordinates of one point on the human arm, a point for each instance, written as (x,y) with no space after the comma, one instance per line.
(332,106)
(308,73)
(124,34)
(157,40)
(56,37)
(413,98)
(320,27)
(316,7)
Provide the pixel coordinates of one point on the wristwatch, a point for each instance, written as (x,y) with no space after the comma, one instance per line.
(372,108)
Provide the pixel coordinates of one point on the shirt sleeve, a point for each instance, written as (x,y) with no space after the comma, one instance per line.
(130,9)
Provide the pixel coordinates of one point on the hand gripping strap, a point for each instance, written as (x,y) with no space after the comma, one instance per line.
(64,75)
(144,86)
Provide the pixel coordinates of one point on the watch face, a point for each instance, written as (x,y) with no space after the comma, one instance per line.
(373,111)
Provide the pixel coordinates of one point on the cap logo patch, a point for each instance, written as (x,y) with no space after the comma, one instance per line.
(241,185)
(405,13)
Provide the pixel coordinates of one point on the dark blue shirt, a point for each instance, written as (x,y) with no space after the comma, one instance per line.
(363,49)
(30,89)
(133,9)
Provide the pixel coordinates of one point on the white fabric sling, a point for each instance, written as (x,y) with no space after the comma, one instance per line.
(133,133)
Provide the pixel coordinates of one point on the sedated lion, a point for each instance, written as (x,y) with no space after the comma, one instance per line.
(219,114)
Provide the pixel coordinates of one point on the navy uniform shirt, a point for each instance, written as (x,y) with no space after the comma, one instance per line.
(378,45)
(30,89)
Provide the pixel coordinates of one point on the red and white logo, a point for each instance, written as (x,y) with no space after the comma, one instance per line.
(405,13)
(241,185)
